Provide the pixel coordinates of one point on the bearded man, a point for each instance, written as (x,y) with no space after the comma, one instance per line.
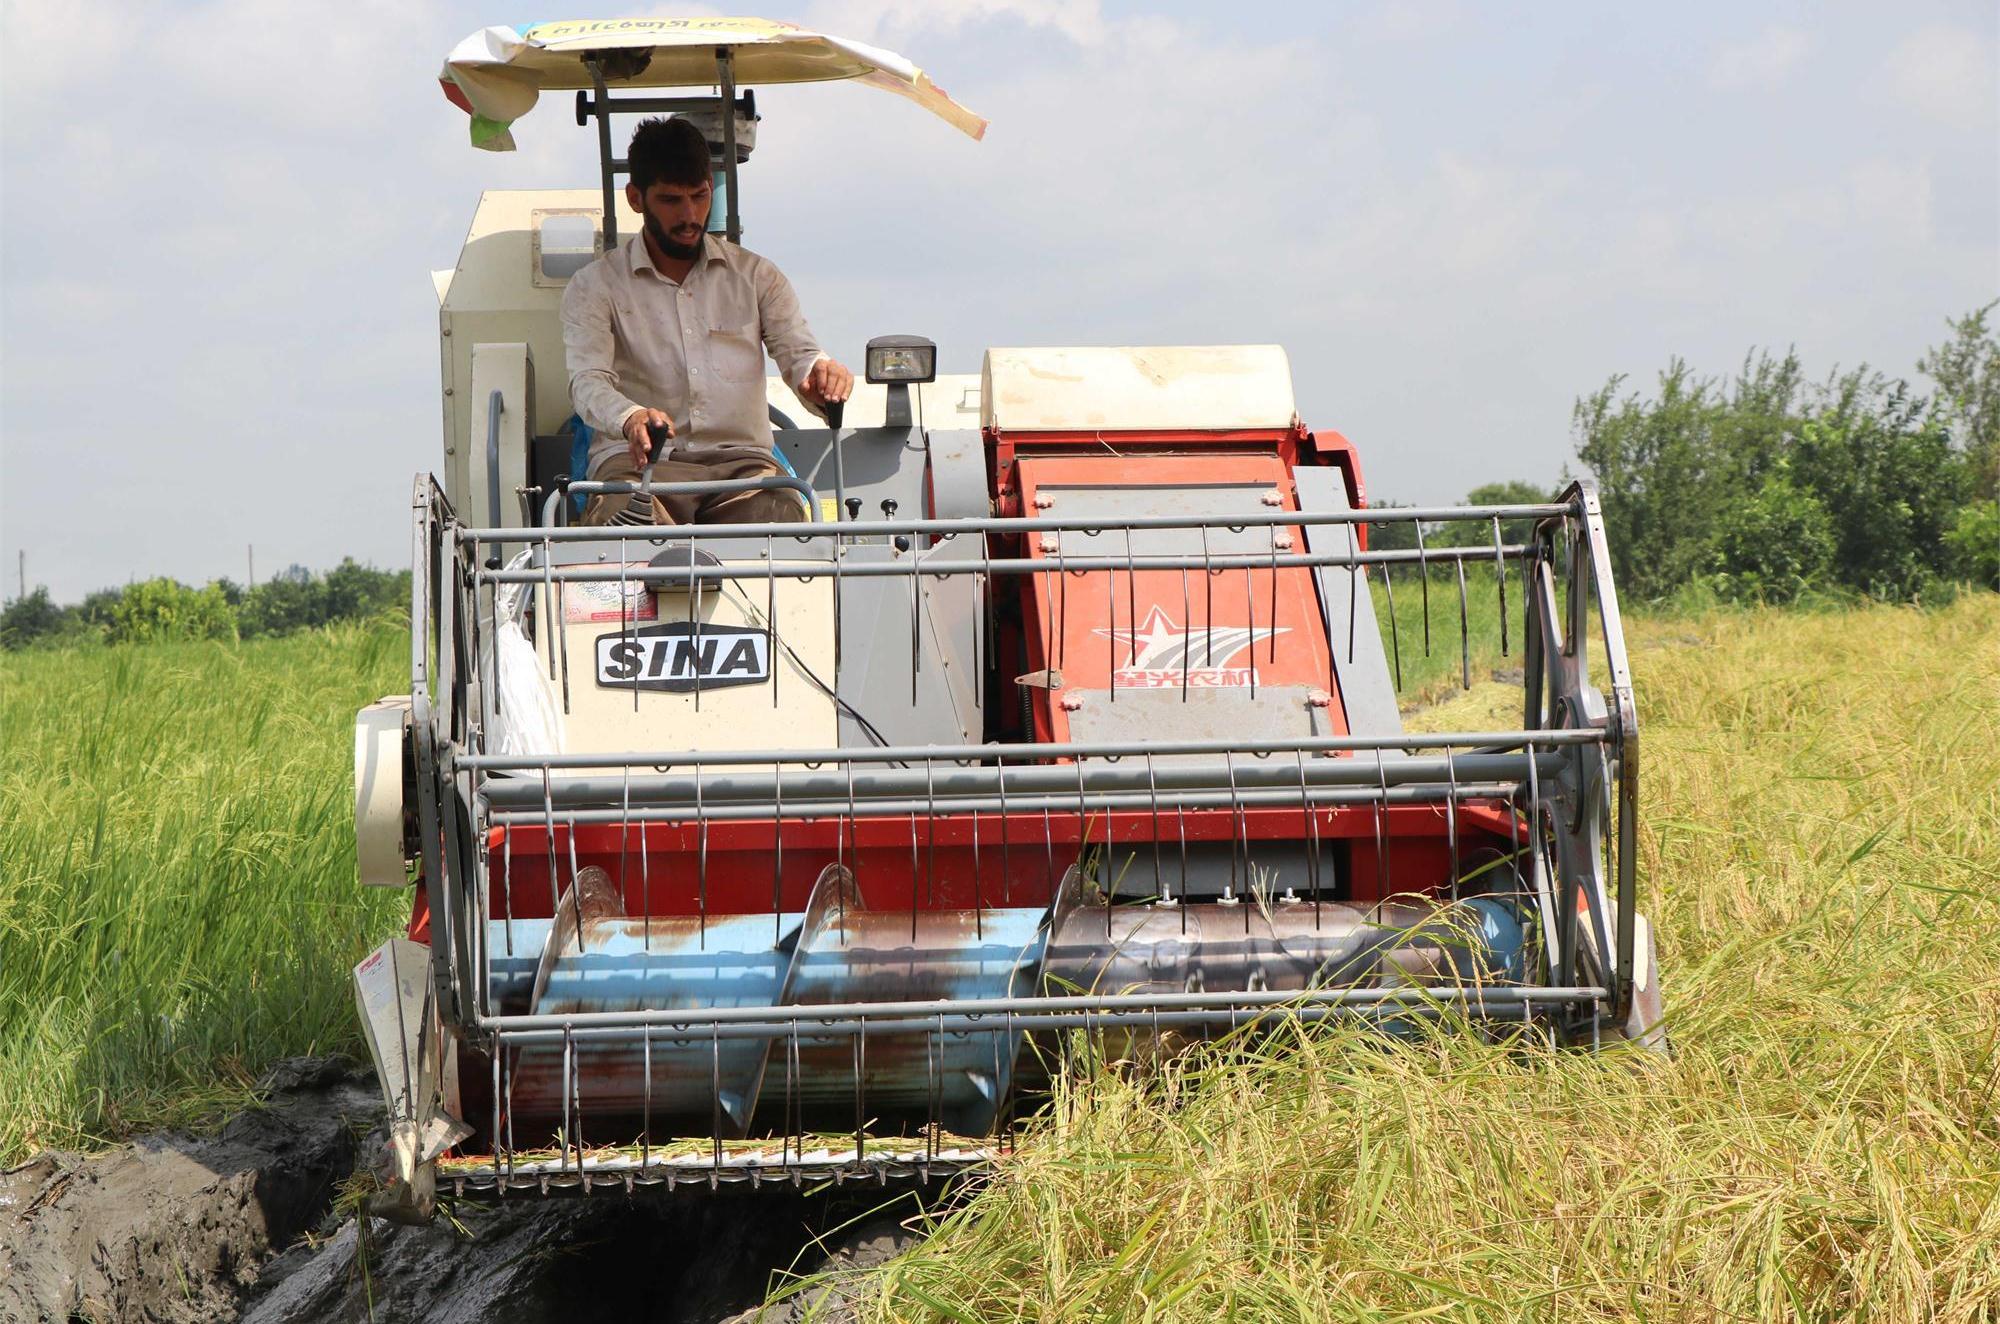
(670,330)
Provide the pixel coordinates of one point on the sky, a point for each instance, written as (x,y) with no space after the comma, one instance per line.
(218,219)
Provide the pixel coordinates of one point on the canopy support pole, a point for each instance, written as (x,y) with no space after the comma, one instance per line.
(725,81)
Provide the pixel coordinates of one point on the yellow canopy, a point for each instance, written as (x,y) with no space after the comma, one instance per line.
(496,74)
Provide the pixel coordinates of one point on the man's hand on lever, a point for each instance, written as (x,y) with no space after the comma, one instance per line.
(827,383)
(638,443)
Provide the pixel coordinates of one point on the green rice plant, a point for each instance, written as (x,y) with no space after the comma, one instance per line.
(178,903)
(1821,858)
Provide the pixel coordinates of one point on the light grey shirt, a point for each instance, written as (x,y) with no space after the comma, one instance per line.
(693,349)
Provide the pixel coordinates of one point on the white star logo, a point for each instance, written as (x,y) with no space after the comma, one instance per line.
(1159,644)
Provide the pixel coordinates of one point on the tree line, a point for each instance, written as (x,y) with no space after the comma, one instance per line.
(151,610)
(1769,485)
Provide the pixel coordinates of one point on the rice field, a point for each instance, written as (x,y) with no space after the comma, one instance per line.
(1822,861)
(1820,857)
(178,905)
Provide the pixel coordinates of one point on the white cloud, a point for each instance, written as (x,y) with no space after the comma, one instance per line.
(1948,73)
(1763,61)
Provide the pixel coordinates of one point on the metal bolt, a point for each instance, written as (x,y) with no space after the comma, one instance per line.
(1273,498)
(1048,542)
(1283,542)
(1319,699)
(1071,702)
(1043,501)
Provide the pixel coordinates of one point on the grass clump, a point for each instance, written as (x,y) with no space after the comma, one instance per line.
(178,904)
(1820,857)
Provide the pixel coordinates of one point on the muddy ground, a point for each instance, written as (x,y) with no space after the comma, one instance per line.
(240,1224)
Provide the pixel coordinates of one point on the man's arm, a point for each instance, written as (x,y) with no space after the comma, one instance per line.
(588,347)
(812,374)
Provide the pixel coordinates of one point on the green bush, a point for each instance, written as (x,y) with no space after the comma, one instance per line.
(1772,547)
(164,611)
(1974,541)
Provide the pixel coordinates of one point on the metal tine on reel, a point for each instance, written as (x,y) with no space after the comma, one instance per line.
(1395,627)
(1500,577)
(1464,627)
(1424,575)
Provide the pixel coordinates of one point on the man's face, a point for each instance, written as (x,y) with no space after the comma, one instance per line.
(676,215)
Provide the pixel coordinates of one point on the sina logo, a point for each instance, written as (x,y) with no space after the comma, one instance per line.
(1162,655)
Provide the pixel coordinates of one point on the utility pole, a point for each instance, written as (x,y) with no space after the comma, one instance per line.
(22,553)
(252,550)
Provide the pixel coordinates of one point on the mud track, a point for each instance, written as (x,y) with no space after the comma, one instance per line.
(240,1224)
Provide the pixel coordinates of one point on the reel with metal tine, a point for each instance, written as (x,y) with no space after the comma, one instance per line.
(1274,607)
(913,875)
(1250,606)
(916,631)
(646,1096)
(1381,837)
(694,615)
(853,827)
(978,891)
(1559,932)
(1500,576)
(628,612)
(1208,573)
(549,837)
(1354,583)
(1049,628)
(625,849)
(498,1147)
(1132,597)
(860,1091)
(1180,821)
(1395,627)
(1006,841)
(1464,626)
(507,888)
(930,829)
(1424,572)
(701,862)
(1062,607)
(1186,612)
(771,612)
(777,853)
(570,829)
(715,1090)
(1153,795)
(1111,633)
(1451,818)
(1312,834)
(1049,852)
(1239,830)
(562,637)
(568,1073)
(548,621)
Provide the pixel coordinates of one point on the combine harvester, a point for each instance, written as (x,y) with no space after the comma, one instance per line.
(803,852)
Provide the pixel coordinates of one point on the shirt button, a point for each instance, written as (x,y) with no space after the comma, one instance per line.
(694,372)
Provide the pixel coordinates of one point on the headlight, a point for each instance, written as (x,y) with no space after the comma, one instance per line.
(901,359)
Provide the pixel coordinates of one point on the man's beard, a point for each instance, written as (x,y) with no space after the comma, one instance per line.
(674,249)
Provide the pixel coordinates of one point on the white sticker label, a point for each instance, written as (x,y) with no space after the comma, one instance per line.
(679,657)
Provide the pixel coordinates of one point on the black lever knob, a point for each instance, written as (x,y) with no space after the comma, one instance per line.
(658,432)
(834,409)
(854,508)
(888,507)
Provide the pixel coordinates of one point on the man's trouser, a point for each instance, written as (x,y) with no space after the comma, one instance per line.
(767,507)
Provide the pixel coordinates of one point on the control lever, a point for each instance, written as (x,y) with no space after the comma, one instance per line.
(659,432)
(901,540)
(853,508)
(834,409)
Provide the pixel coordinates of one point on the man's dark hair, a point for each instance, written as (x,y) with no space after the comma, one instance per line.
(667,151)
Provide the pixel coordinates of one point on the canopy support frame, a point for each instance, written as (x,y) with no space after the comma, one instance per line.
(602,106)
